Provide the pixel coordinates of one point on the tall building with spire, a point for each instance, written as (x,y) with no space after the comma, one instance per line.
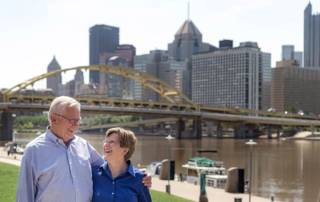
(54,82)
(311,38)
(187,42)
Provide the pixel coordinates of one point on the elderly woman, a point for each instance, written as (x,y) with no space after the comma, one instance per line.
(117,180)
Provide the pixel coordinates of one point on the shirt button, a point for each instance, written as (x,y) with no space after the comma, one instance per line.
(112,193)
(112,182)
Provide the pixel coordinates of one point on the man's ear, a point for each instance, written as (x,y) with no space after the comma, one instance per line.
(53,119)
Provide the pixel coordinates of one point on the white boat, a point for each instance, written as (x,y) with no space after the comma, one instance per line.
(154,168)
(214,170)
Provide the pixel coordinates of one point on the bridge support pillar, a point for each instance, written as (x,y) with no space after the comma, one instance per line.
(197,128)
(246,131)
(278,132)
(181,125)
(195,131)
(6,127)
(210,128)
(219,130)
(269,131)
(240,131)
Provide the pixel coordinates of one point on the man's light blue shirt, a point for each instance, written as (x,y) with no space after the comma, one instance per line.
(53,171)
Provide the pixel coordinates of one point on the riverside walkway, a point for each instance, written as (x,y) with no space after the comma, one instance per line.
(192,192)
(182,189)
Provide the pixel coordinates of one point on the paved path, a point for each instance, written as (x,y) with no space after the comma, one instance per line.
(182,189)
(192,192)
(12,159)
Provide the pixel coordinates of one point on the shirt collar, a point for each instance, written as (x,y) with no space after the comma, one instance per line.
(55,139)
(104,167)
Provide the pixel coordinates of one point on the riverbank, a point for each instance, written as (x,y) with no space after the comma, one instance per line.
(13,159)
(182,189)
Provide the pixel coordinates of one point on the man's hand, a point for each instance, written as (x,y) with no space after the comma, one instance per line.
(147,180)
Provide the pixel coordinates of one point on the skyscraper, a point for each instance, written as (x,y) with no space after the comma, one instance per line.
(311,38)
(231,77)
(292,88)
(187,41)
(123,56)
(158,64)
(288,53)
(103,39)
(298,56)
(54,82)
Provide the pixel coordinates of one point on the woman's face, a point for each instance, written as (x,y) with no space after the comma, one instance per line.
(111,148)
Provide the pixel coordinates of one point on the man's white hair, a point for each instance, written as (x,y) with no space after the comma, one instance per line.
(59,104)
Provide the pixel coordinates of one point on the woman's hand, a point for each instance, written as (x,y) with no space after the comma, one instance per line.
(147,180)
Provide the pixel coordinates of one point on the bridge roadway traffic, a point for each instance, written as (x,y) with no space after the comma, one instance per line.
(184,113)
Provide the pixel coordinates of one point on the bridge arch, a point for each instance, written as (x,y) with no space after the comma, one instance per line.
(164,90)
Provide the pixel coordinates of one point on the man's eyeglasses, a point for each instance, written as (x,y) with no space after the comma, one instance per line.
(74,122)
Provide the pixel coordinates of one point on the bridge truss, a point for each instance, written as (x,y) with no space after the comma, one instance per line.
(169,93)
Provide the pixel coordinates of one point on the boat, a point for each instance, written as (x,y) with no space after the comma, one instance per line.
(154,168)
(214,170)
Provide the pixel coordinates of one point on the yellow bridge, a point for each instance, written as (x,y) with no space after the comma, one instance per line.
(174,104)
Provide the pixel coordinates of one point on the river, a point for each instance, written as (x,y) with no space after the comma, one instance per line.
(286,169)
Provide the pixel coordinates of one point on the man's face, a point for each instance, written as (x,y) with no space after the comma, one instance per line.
(66,123)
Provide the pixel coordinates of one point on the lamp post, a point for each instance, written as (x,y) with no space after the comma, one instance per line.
(14,132)
(251,143)
(203,194)
(169,138)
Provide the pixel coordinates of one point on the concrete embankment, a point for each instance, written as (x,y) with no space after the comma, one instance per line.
(306,135)
(182,189)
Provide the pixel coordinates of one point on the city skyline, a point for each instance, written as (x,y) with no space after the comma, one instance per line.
(33,33)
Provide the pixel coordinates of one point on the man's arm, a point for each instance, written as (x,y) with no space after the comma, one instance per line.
(27,186)
(95,157)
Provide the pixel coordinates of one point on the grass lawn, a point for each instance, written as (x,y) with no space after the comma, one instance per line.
(164,197)
(8,181)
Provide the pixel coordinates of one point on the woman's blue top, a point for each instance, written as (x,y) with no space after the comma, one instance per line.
(127,187)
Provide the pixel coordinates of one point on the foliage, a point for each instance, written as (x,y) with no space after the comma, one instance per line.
(41,121)
(31,121)
(106,119)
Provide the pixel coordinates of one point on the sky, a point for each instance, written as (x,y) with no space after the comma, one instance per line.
(33,31)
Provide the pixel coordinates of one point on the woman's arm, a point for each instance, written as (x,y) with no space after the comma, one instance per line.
(144,195)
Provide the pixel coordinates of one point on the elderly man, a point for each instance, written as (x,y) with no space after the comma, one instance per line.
(56,166)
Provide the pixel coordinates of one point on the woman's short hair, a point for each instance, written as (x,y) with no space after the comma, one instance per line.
(127,139)
(59,105)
